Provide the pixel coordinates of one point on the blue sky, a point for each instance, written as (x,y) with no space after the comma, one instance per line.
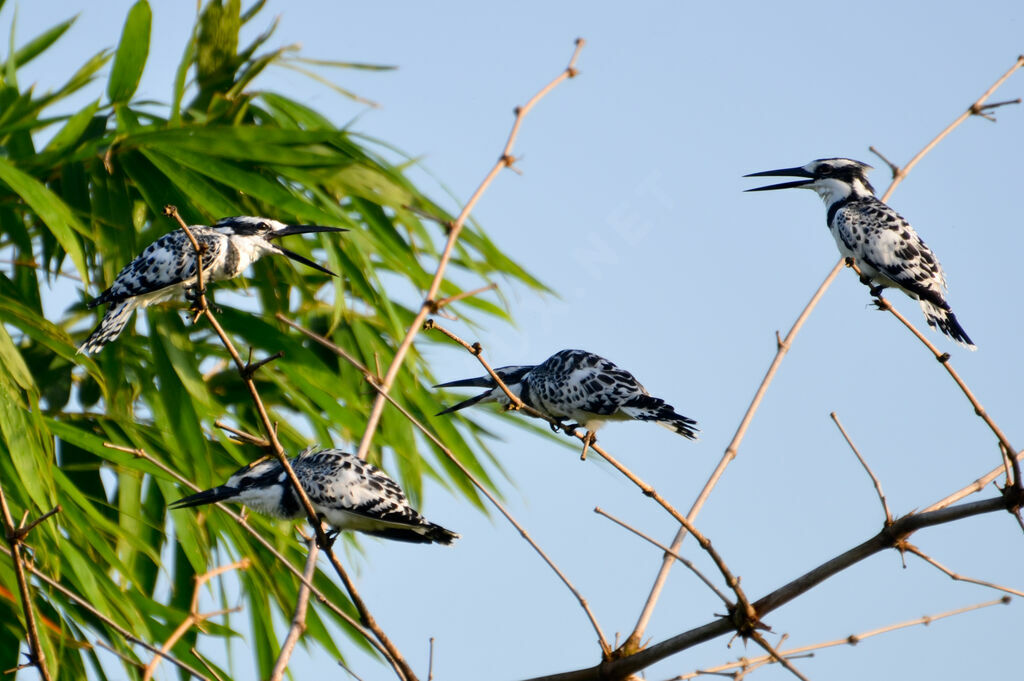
(630,206)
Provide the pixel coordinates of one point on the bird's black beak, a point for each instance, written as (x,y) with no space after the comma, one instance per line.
(303,229)
(304,260)
(477,382)
(783,172)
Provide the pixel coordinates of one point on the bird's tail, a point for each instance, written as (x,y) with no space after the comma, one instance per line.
(427,534)
(221,493)
(110,328)
(647,408)
(943,319)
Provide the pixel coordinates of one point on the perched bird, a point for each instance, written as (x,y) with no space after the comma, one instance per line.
(886,248)
(345,491)
(168,267)
(577,385)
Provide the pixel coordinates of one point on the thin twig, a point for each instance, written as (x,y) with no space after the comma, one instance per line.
(205,663)
(373,381)
(689,564)
(943,358)
(852,639)
(194,618)
(973,488)
(430,662)
(465,294)
(878,485)
(244,436)
(633,642)
(504,161)
(298,627)
(958,577)
(775,655)
(15,537)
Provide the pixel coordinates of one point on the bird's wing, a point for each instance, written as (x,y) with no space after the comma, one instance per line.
(167,261)
(879,236)
(595,385)
(334,479)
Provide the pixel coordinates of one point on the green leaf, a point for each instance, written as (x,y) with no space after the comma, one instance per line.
(131,55)
(50,209)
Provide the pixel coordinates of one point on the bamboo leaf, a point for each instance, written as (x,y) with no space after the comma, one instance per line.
(131,55)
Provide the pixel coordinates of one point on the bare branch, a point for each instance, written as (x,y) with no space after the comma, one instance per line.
(15,537)
(957,577)
(194,616)
(943,358)
(878,485)
(298,627)
(689,564)
(504,161)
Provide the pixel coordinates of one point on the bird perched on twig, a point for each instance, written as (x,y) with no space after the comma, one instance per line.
(580,386)
(168,267)
(886,248)
(346,492)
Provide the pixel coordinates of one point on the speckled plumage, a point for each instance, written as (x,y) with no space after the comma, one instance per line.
(167,267)
(345,491)
(886,248)
(579,386)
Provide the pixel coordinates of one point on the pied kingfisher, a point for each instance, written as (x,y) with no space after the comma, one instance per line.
(345,491)
(577,385)
(168,266)
(886,248)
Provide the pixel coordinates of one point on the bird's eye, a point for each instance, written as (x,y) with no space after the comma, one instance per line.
(264,225)
(825,169)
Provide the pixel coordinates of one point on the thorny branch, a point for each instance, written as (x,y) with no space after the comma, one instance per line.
(245,371)
(874,480)
(888,537)
(195,618)
(633,642)
(852,640)
(430,305)
(15,536)
(907,546)
(374,382)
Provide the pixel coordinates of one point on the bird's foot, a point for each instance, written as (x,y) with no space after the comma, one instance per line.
(876,291)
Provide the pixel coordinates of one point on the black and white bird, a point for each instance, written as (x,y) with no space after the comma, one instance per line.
(345,491)
(886,248)
(168,267)
(580,386)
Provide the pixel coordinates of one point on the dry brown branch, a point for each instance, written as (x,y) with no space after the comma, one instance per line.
(689,564)
(888,537)
(852,639)
(260,442)
(298,627)
(375,383)
(958,577)
(430,661)
(195,618)
(633,641)
(15,536)
(127,635)
(124,658)
(943,358)
(465,294)
(874,480)
(776,656)
(246,371)
(973,488)
(429,304)
(973,110)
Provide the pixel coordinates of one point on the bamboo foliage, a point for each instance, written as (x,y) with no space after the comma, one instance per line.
(81,193)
